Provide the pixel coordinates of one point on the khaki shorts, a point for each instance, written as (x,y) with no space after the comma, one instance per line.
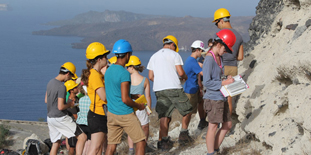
(217,111)
(128,123)
(231,70)
(195,99)
(168,100)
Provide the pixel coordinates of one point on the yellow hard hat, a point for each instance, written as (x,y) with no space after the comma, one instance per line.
(72,68)
(221,13)
(113,60)
(172,38)
(70,84)
(134,61)
(95,49)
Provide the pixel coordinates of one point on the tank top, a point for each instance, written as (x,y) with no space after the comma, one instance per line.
(138,89)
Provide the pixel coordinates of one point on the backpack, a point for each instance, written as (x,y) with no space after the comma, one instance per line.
(33,147)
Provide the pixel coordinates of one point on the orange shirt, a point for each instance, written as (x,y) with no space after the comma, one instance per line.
(95,81)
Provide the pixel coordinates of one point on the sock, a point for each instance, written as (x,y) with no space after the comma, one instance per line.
(165,138)
(202,119)
(183,130)
(211,153)
(216,150)
(131,149)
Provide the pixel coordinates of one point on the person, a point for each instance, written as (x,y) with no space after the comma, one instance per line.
(84,106)
(203,54)
(72,89)
(92,77)
(121,115)
(191,86)
(139,85)
(165,69)
(215,103)
(222,21)
(112,60)
(59,122)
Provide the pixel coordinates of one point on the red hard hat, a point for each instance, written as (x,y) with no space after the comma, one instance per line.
(228,38)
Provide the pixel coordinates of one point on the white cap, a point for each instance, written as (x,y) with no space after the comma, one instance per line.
(198,44)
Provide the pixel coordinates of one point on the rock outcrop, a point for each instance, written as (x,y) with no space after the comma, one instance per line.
(276,106)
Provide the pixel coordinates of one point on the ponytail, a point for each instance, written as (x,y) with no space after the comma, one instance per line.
(139,68)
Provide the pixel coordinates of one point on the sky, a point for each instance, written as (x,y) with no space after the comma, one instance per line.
(64,9)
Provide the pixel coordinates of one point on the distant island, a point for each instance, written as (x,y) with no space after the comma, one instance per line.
(144,32)
(4,7)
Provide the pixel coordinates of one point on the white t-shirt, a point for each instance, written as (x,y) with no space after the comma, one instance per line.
(163,64)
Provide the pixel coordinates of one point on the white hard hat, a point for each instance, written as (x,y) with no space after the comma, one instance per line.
(198,44)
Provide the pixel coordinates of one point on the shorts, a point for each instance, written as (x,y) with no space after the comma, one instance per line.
(128,123)
(62,126)
(169,99)
(194,100)
(97,123)
(142,117)
(86,130)
(217,111)
(231,70)
(72,141)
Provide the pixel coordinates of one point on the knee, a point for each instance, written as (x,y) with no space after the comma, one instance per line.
(227,126)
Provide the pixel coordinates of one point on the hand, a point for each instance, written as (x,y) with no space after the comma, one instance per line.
(141,107)
(72,103)
(135,96)
(228,81)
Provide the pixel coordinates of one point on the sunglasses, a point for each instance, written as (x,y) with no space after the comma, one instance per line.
(175,46)
(217,22)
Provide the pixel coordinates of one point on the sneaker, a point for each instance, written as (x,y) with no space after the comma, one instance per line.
(131,152)
(184,137)
(166,144)
(202,124)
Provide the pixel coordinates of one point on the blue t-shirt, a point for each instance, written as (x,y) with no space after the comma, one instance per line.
(114,76)
(192,69)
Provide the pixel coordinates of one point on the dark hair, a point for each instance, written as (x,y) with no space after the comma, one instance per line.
(89,64)
(194,49)
(216,42)
(61,71)
(210,40)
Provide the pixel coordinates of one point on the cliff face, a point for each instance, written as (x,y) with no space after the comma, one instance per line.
(276,107)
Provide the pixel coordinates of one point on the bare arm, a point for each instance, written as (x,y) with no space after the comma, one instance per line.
(151,75)
(200,81)
(240,54)
(101,93)
(200,64)
(46,97)
(181,72)
(125,87)
(147,92)
(61,104)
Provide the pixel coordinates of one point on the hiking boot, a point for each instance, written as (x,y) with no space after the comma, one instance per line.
(166,144)
(159,145)
(202,124)
(184,137)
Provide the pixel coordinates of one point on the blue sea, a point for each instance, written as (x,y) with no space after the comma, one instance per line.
(28,62)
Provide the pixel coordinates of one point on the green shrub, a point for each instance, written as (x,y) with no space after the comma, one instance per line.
(4,132)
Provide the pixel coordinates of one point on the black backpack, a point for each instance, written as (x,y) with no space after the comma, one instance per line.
(33,147)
